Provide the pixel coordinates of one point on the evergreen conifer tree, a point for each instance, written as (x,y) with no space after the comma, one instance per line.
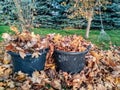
(52,13)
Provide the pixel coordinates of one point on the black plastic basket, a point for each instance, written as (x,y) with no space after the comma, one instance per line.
(28,64)
(71,62)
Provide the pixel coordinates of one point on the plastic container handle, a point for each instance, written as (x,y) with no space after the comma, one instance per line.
(87,50)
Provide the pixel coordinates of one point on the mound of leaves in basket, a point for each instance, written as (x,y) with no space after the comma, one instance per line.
(28,50)
(70,51)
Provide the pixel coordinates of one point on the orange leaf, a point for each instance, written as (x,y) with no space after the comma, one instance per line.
(117,80)
(110,78)
(110,62)
(57,37)
(96,55)
(9,47)
(51,66)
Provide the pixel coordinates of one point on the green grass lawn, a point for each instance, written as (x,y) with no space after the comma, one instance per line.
(114,34)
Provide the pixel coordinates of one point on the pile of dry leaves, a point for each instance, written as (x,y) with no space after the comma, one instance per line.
(24,43)
(102,72)
(71,43)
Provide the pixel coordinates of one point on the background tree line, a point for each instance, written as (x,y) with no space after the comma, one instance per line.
(56,14)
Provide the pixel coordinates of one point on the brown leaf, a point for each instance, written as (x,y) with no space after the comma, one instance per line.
(110,62)
(39,78)
(69,43)
(1,52)
(116,72)
(117,80)
(20,76)
(7,58)
(37,86)
(57,37)
(96,55)
(78,79)
(56,84)
(11,84)
(2,70)
(7,72)
(51,66)
(2,84)
(9,47)
(89,87)
(110,79)
(107,85)
(101,87)
(76,83)
(26,85)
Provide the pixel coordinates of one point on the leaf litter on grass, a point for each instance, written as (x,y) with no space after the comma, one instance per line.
(102,72)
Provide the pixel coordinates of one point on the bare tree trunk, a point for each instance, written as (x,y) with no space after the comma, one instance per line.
(90,16)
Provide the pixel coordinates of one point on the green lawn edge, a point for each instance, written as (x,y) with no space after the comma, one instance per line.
(114,34)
